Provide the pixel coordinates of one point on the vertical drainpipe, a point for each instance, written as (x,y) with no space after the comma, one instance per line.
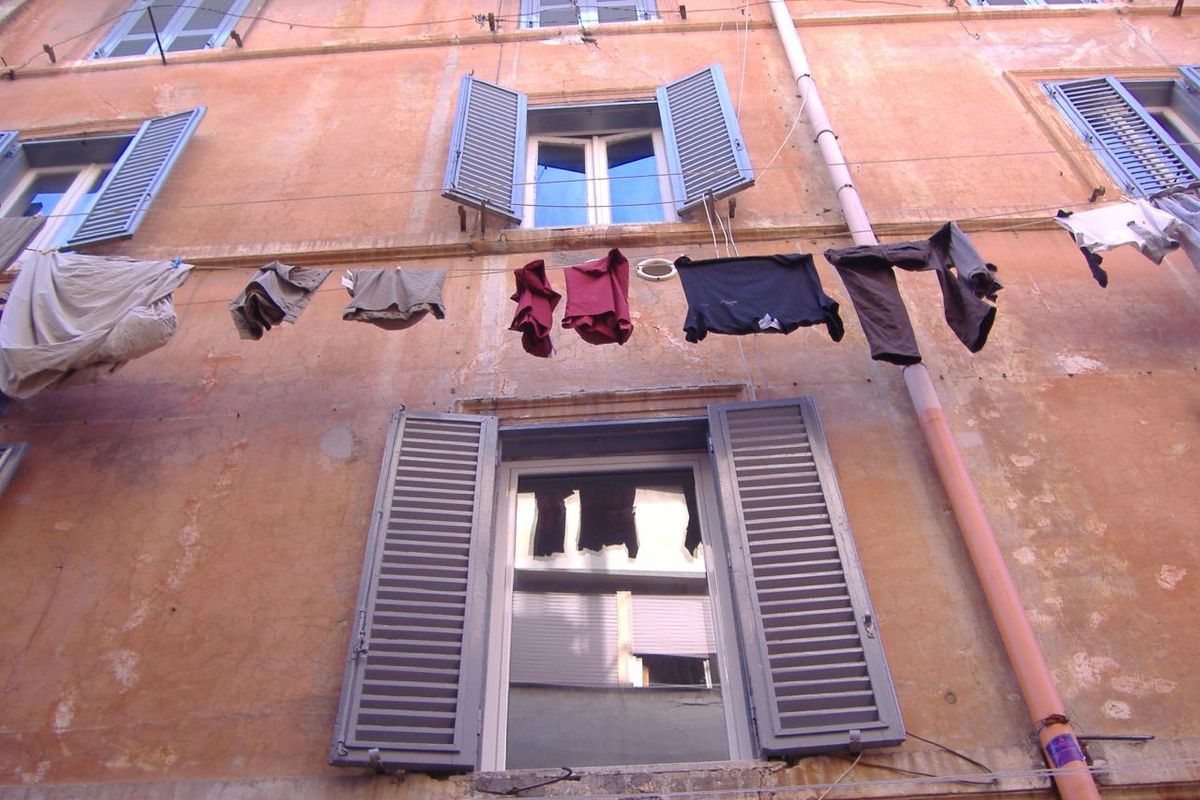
(1059,745)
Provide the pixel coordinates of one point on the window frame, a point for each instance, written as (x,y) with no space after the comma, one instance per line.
(587,13)
(1034,3)
(734,685)
(169,32)
(599,186)
(57,229)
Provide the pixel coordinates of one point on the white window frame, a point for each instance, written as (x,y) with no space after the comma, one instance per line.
(58,227)
(733,682)
(599,187)
(587,13)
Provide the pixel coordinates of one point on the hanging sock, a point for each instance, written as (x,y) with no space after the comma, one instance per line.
(1138,224)
(15,233)
(1184,206)
(394,299)
(755,294)
(871,283)
(598,299)
(278,293)
(73,318)
(536,302)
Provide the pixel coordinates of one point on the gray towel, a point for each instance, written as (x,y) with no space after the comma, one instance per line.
(278,293)
(394,299)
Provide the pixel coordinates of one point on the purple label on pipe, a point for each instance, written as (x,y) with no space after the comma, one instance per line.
(1064,749)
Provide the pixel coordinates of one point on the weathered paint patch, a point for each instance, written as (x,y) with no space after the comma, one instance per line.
(1095,620)
(1024,462)
(36,775)
(1025,555)
(338,443)
(1117,709)
(123,664)
(1075,363)
(64,712)
(1170,576)
(1088,670)
(1142,687)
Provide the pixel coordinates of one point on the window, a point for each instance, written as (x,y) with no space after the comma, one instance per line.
(1031,2)
(181,26)
(90,189)
(10,456)
(1144,131)
(607,163)
(547,13)
(647,577)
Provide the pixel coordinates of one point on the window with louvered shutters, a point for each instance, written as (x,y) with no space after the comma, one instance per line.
(818,678)
(1137,150)
(137,177)
(487,148)
(705,150)
(411,696)
(181,26)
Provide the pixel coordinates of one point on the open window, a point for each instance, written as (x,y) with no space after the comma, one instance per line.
(1144,131)
(691,601)
(590,164)
(90,189)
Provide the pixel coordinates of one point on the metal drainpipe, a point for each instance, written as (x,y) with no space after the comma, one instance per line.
(1059,745)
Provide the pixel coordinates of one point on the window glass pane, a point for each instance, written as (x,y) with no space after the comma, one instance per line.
(613,658)
(633,181)
(164,10)
(43,194)
(560,192)
(617,11)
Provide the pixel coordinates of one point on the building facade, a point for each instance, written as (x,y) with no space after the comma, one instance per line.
(206,576)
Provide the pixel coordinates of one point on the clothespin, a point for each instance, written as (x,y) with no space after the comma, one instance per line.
(176,261)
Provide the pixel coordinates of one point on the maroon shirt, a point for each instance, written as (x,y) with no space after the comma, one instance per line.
(535,308)
(598,299)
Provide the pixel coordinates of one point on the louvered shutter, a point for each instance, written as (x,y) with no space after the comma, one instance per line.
(1192,74)
(137,177)
(704,144)
(1139,153)
(818,677)
(487,148)
(10,456)
(208,25)
(133,34)
(10,151)
(415,671)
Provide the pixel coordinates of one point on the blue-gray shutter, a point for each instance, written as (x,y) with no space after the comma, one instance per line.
(1191,73)
(704,144)
(1138,152)
(133,35)
(10,151)
(818,677)
(207,26)
(486,164)
(11,454)
(414,677)
(549,13)
(136,178)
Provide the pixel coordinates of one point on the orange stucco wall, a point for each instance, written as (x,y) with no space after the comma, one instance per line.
(180,549)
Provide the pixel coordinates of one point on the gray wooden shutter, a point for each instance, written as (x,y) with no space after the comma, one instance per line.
(704,143)
(1139,153)
(818,678)
(133,34)
(1191,73)
(10,155)
(549,13)
(411,697)
(486,164)
(11,454)
(136,178)
(208,25)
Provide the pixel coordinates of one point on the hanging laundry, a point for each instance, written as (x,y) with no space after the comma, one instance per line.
(598,299)
(1184,206)
(278,293)
(394,299)
(755,294)
(77,318)
(965,279)
(536,302)
(1154,233)
(15,233)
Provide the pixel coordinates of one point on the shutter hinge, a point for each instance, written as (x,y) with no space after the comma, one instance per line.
(361,648)
(855,740)
(341,748)
(710,445)
(869,625)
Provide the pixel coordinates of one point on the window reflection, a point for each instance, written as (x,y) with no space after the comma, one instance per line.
(561,185)
(633,178)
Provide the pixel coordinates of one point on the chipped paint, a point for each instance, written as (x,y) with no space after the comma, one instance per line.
(1025,555)
(1169,577)
(64,712)
(1089,670)
(1117,709)
(36,775)
(1075,364)
(123,664)
(1024,462)
(1142,687)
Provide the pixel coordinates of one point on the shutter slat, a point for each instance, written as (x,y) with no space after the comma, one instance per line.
(703,140)
(413,685)
(817,673)
(1135,148)
(137,178)
(487,148)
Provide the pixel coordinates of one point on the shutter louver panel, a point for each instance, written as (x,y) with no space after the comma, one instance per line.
(704,143)
(487,148)
(1191,74)
(10,158)
(137,177)
(817,672)
(8,140)
(1136,149)
(415,673)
